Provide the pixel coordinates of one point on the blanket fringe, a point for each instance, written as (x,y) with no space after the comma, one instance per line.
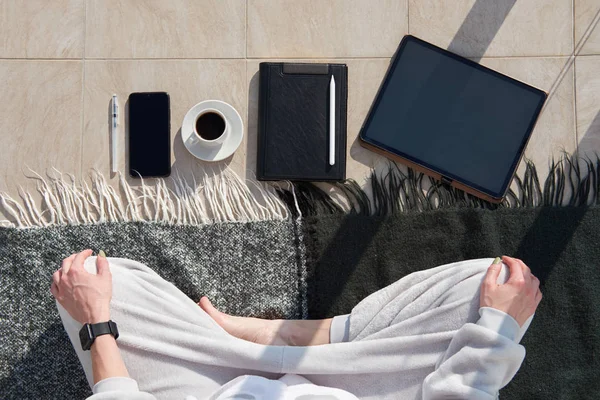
(223,197)
(572,181)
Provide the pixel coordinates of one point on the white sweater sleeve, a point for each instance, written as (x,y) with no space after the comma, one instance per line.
(118,388)
(480,360)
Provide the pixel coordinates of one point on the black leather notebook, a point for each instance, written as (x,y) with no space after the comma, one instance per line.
(293,122)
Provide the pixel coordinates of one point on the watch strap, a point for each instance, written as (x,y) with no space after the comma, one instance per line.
(89,332)
(101,328)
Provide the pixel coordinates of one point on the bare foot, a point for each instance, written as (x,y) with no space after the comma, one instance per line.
(261,331)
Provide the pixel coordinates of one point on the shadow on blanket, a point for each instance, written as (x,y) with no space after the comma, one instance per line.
(49,361)
(560,245)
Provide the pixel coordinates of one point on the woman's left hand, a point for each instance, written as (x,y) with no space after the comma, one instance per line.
(85,296)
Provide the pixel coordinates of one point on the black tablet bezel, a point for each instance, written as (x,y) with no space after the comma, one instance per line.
(446,174)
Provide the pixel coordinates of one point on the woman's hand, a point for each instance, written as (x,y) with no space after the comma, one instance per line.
(518,297)
(85,296)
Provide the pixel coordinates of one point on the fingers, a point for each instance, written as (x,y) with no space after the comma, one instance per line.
(538,298)
(54,285)
(526,269)
(491,277)
(79,259)
(56,278)
(527,275)
(54,290)
(65,265)
(516,270)
(102,266)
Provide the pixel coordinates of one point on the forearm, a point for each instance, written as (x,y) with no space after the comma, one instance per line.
(306,332)
(106,359)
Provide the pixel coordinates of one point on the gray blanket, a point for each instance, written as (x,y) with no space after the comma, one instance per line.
(313,259)
(247,269)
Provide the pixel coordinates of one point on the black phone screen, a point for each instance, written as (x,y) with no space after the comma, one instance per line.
(149,135)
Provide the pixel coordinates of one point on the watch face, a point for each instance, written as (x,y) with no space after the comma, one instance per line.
(85,337)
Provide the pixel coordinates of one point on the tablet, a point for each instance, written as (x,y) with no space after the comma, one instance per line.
(452,118)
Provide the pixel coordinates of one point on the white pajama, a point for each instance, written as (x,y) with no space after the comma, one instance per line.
(422,337)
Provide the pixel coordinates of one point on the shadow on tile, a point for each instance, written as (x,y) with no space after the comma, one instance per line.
(578,47)
(252,129)
(472,34)
(480,26)
(469,27)
(185,164)
(190,169)
(589,143)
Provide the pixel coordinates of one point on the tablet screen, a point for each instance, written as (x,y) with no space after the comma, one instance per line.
(451,115)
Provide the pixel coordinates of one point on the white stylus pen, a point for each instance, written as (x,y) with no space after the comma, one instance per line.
(332,121)
(113,133)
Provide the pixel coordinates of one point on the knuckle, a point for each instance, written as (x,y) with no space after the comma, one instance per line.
(519,282)
(490,282)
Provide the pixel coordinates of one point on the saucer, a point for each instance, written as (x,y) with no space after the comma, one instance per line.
(228,147)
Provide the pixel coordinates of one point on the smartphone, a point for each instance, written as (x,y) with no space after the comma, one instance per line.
(149,135)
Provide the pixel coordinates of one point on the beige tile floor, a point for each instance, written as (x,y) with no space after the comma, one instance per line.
(61,60)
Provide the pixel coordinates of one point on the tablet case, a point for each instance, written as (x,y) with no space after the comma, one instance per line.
(293,122)
(421,168)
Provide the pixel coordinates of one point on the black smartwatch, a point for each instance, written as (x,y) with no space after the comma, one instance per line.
(90,332)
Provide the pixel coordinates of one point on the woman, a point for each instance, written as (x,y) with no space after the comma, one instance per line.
(447,332)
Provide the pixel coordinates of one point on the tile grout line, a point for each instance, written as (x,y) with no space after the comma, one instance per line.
(408,17)
(82,91)
(247,124)
(575,103)
(573,25)
(273,58)
(192,58)
(246,41)
(574,78)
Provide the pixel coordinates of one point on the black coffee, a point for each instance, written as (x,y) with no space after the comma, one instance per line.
(210,126)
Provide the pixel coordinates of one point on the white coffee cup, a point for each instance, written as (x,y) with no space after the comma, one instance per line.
(210,130)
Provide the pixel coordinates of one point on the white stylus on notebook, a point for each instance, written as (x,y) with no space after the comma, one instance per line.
(332,121)
(113,133)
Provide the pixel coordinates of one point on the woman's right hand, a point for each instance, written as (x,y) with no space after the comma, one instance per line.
(518,297)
